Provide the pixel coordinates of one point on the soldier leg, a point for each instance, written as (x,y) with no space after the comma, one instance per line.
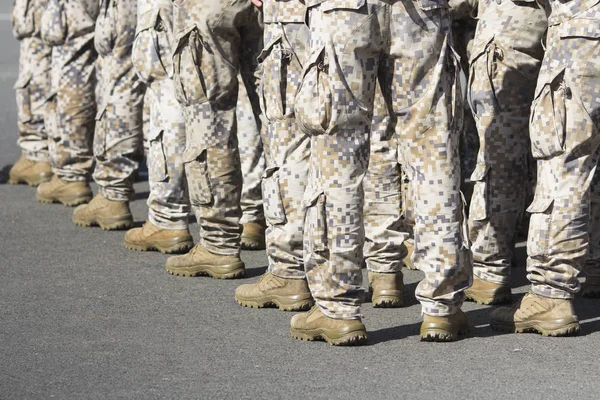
(385,231)
(73,108)
(251,147)
(118,141)
(32,89)
(506,56)
(286,152)
(566,142)
(426,100)
(207,63)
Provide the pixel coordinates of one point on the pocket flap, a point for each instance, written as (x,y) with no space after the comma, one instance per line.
(581,27)
(192,154)
(540,204)
(330,5)
(481,170)
(268,48)
(546,77)
(479,48)
(269,172)
(311,196)
(147,20)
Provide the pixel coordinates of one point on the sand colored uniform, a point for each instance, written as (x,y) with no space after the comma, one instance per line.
(565,140)
(347,40)
(33,83)
(118,140)
(505,61)
(69,28)
(210,37)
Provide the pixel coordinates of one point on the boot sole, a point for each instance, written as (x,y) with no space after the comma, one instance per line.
(441,335)
(231,271)
(164,248)
(31,182)
(280,302)
(387,302)
(501,299)
(108,224)
(69,201)
(544,328)
(250,245)
(349,339)
(253,243)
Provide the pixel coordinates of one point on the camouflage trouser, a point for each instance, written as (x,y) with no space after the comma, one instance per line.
(286,147)
(168,204)
(32,88)
(565,139)
(211,36)
(385,228)
(71,109)
(505,61)
(251,153)
(118,140)
(335,104)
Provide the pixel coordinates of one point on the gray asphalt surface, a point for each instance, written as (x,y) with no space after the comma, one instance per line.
(83,317)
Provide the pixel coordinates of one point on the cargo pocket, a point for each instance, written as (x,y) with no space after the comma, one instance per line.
(189,82)
(481,88)
(478,210)
(157,167)
(585,35)
(54,23)
(273,204)
(106,28)
(313,105)
(325,99)
(541,210)
(279,62)
(315,222)
(23,99)
(547,123)
(196,170)
(151,47)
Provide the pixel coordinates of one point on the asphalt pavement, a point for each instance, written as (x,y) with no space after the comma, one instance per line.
(83,317)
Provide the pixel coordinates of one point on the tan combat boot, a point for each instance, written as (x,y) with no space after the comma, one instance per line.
(253,236)
(65,192)
(200,261)
(535,313)
(484,292)
(151,237)
(270,290)
(410,246)
(30,172)
(591,287)
(314,325)
(109,215)
(387,290)
(444,329)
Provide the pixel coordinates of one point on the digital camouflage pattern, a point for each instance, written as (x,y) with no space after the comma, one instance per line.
(335,106)
(118,140)
(206,65)
(286,146)
(168,204)
(505,61)
(384,219)
(565,139)
(33,83)
(249,140)
(69,28)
